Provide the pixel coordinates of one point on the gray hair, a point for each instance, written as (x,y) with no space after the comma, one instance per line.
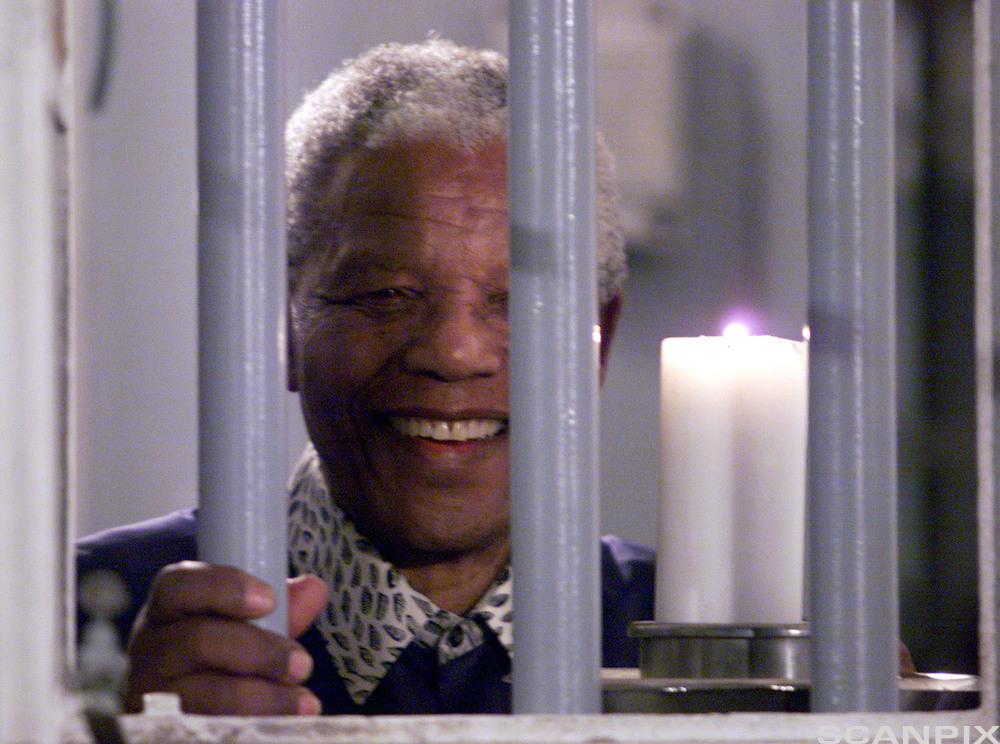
(397,94)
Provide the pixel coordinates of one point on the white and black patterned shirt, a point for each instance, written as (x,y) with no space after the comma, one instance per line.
(372,612)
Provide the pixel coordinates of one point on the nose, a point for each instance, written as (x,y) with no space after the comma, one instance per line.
(457,339)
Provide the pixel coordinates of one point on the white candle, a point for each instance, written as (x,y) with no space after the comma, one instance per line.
(732,488)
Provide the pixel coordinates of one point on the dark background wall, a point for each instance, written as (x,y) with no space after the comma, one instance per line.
(937,469)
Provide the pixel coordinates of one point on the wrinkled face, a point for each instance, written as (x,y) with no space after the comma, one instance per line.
(399,349)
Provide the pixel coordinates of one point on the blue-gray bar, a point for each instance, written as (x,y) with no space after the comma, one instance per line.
(553,359)
(852,411)
(987,219)
(241,292)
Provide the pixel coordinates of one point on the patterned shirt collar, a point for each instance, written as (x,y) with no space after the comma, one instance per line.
(373,613)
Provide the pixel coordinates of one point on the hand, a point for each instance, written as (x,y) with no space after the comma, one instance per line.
(192,638)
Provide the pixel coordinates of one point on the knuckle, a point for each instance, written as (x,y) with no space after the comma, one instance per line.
(199,640)
(270,653)
(233,647)
(176,573)
(249,695)
(226,580)
(193,587)
(170,583)
(255,696)
(175,649)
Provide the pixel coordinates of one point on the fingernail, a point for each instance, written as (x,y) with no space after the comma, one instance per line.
(300,665)
(259,598)
(308,704)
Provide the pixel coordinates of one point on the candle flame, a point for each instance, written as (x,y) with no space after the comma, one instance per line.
(735,330)
(805,333)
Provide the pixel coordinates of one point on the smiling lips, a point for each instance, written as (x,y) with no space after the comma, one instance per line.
(462,430)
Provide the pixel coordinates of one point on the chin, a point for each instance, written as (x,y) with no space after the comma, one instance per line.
(444,518)
(445,538)
(460,542)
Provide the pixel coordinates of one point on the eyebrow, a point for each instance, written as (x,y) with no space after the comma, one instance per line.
(383,260)
(389,214)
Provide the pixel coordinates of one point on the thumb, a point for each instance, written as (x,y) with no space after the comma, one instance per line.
(306,597)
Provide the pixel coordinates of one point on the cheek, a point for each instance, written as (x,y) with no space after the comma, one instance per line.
(340,361)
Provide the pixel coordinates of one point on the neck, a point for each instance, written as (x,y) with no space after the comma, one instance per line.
(455,582)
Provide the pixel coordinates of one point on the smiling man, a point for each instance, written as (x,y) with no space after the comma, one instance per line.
(399,510)
(399,354)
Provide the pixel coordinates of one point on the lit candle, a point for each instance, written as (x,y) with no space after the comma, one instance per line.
(732,510)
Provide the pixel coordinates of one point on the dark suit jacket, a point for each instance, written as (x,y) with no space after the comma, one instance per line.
(477,682)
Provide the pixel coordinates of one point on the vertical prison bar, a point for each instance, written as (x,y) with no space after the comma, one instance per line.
(553,358)
(852,412)
(986,106)
(241,292)
(30,695)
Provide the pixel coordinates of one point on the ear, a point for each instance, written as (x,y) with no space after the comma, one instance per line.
(608,317)
(291,347)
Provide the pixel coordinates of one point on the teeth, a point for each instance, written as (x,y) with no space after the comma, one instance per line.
(448,431)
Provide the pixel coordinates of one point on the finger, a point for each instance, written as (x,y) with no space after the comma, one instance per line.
(192,588)
(212,644)
(306,598)
(905,660)
(242,696)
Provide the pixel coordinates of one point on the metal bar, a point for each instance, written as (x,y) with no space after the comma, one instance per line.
(553,359)
(852,411)
(30,696)
(241,292)
(986,104)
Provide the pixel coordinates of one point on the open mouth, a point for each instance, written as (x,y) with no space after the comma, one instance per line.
(462,430)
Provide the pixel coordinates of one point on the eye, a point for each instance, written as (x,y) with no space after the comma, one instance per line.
(388,294)
(373,301)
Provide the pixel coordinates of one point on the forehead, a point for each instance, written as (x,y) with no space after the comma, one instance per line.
(424,194)
(414,176)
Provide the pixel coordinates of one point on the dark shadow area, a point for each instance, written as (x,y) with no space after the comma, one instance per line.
(937,432)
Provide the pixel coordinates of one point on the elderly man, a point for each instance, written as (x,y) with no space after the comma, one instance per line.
(399,510)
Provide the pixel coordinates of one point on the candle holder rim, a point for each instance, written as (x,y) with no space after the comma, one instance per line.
(657,629)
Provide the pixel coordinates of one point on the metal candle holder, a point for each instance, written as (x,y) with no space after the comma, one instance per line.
(722,651)
(702,668)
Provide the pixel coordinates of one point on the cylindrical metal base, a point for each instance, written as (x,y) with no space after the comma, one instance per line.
(701,668)
(626,692)
(712,651)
